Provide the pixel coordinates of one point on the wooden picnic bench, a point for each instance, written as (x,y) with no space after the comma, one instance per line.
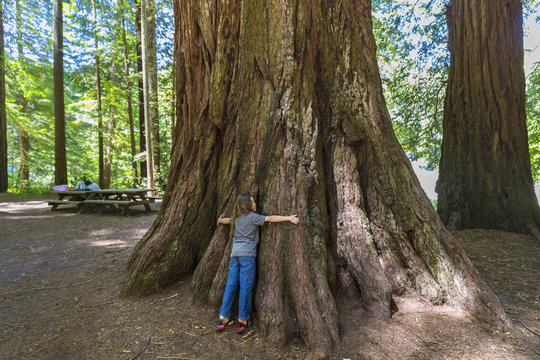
(115,199)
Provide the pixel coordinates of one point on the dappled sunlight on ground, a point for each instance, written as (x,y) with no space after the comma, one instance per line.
(36,217)
(102,232)
(424,331)
(109,243)
(419,309)
(15,207)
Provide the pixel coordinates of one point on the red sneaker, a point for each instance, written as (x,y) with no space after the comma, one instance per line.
(243,327)
(222,326)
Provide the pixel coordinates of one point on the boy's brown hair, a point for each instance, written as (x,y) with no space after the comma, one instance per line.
(242,206)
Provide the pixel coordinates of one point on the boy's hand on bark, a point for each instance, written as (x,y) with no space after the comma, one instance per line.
(220,220)
(294,219)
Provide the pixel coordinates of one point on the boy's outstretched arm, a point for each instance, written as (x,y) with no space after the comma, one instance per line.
(224,221)
(277,218)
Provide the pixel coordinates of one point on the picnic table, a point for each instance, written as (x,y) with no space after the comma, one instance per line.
(113,198)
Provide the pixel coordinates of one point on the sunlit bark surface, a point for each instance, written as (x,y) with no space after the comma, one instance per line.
(485,173)
(284,101)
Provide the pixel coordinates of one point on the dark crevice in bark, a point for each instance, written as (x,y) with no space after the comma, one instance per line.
(412,238)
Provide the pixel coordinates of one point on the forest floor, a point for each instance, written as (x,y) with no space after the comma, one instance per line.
(61,272)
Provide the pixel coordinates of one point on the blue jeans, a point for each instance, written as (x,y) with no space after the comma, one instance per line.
(241,270)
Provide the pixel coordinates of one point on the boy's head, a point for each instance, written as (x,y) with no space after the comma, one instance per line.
(244,204)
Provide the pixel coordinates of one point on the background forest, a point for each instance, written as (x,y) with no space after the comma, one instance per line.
(413,57)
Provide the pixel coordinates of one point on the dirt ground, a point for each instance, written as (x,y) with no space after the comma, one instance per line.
(61,272)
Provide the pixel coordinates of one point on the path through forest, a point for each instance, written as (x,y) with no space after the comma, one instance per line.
(61,272)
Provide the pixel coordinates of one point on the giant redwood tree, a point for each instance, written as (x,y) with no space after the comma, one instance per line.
(485,173)
(284,100)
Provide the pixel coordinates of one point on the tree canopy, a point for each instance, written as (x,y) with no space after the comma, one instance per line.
(412,54)
(34,78)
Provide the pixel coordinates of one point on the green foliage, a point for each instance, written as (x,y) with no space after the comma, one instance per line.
(533,119)
(411,48)
(413,57)
(33,79)
(411,37)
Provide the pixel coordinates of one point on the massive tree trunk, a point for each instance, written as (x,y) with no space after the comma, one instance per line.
(485,174)
(3,117)
(285,102)
(101,163)
(60,162)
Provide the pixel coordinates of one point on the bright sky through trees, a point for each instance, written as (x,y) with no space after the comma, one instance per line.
(531,41)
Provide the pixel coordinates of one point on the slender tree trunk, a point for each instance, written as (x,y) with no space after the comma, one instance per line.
(24,145)
(60,162)
(109,146)
(147,95)
(98,95)
(108,153)
(285,102)
(24,170)
(142,123)
(129,101)
(153,88)
(485,173)
(3,117)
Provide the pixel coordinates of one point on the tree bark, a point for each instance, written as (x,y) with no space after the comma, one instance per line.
(3,117)
(485,176)
(179,78)
(111,125)
(285,102)
(24,169)
(24,143)
(173,97)
(153,87)
(142,122)
(128,98)
(99,104)
(60,162)
(145,12)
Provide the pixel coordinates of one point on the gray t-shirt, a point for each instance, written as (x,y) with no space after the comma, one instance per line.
(246,234)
